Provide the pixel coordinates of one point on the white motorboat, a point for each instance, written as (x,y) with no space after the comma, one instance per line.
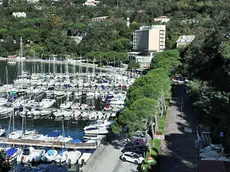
(108,108)
(47,103)
(77,114)
(37,113)
(63,113)
(30,135)
(61,157)
(15,134)
(10,62)
(64,139)
(36,155)
(73,157)
(84,158)
(217,158)
(12,153)
(3,101)
(90,95)
(49,156)
(6,111)
(23,157)
(100,123)
(117,102)
(66,105)
(96,130)
(75,106)
(59,93)
(77,94)
(94,137)
(84,106)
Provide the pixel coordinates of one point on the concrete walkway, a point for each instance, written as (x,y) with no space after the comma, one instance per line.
(177,153)
(107,159)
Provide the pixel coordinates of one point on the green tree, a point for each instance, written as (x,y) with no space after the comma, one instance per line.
(133,65)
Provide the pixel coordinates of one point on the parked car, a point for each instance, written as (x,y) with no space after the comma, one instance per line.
(135,145)
(179,80)
(132,157)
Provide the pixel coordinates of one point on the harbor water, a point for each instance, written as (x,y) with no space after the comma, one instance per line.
(72,128)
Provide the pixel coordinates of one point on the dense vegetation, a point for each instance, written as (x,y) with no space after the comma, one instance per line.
(147,97)
(49,25)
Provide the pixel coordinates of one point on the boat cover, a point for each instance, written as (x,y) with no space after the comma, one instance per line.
(11,151)
(54,134)
(77,141)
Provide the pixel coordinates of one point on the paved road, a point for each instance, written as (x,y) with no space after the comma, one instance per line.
(178,154)
(107,159)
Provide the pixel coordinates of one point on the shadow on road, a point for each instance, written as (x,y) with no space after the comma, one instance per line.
(178,153)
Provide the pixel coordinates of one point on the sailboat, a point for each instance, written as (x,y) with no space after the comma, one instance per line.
(16,134)
(21,51)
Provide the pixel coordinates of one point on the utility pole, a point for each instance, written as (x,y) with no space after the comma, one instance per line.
(117,4)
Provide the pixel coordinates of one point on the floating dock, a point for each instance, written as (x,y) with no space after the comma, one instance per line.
(69,145)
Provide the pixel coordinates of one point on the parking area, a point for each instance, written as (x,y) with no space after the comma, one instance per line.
(107,159)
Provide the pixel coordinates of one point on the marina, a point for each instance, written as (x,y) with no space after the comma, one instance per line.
(80,105)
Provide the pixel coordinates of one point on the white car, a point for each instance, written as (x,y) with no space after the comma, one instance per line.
(132,157)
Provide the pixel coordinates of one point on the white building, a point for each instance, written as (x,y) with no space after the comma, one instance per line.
(19,14)
(99,18)
(150,38)
(162,19)
(143,59)
(184,40)
(91,3)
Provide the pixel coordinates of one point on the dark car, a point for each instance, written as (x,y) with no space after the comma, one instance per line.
(135,150)
(136,145)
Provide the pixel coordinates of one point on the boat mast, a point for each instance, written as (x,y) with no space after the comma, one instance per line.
(20,51)
(93,66)
(100,67)
(53,65)
(49,65)
(87,71)
(7,79)
(63,130)
(9,124)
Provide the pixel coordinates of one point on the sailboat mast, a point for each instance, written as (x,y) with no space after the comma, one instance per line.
(9,124)
(49,65)
(63,129)
(21,51)
(7,79)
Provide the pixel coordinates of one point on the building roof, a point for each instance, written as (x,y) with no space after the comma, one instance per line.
(185,39)
(214,166)
(151,27)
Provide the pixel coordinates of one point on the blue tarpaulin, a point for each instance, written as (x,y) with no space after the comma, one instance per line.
(11,151)
(54,134)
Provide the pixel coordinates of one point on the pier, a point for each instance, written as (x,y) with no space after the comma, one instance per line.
(23,142)
(90,90)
